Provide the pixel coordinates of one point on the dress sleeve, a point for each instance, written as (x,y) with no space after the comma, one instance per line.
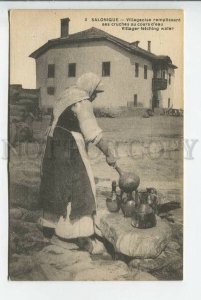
(87,121)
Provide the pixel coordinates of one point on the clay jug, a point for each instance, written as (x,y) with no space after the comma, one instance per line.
(113,203)
(128,182)
(128,205)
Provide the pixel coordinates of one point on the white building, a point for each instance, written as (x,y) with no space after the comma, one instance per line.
(131,75)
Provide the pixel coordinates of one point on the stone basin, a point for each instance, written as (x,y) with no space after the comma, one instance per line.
(130,241)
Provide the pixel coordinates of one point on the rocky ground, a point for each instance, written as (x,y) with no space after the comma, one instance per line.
(35,257)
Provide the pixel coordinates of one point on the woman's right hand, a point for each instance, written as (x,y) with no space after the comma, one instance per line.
(111,160)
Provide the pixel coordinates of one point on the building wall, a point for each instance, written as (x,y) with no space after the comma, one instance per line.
(119,88)
(169,92)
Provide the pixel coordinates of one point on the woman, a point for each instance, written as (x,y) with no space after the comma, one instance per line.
(67,191)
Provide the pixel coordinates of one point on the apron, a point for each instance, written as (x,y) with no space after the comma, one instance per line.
(67,190)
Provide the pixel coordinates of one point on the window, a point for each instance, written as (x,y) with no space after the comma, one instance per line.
(163,74)
(136,70)
(135,100)
(168,102)
(145,72)
(169,79)
(50,90)
(51,71)
(71,70)
(106,68)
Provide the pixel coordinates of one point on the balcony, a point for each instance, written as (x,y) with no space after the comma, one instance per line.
(159,84)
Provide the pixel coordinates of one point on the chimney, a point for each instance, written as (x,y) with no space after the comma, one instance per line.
(65,27)
(149,46)
(136,43)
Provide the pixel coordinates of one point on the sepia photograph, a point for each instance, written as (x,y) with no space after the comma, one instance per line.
(95,113)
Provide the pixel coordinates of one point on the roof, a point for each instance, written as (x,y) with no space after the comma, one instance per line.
(95,34)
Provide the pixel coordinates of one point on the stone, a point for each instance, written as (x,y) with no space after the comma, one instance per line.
(21,227)
(173,271)
(168,262)
(57,263)
(177,216)
(98,247)
(61,258)
(26,236)
(23,214)
(173,246)
(32,241)
(63,244)
(133,242)
(50,273)
(31,216)
(23,195)
(21,266)
(101,270)
(144,276)
(13,240)
(16,213)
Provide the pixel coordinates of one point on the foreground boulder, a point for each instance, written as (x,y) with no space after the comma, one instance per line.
(133,242)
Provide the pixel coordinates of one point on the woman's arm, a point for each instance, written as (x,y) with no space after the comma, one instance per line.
(90,129)
(105,148)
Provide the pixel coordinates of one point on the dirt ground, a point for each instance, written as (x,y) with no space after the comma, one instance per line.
(151,147)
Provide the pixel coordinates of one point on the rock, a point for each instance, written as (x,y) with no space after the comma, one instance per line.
(173,271)
(58,263)
(21,227)
(16,213)
(162,266)
(12,247)
(50,273)
(177,234)
(133,242)
(101,270)
(167,207)
(26,236)
(24,196)
(31,242)
(177,226)
(63,244)
(53,249)
(13,240)
(31,216)
(144,276)
(21,266)
(177,216)
(98,247)
(61,258)
(23,214)
(173,246)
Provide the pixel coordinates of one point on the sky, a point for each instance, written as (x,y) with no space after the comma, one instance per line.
(29,29)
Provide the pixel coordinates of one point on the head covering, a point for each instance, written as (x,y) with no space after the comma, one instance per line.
(69,97)
(84,88)
(90,82)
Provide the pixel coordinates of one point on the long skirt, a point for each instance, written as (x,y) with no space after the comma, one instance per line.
(67,191)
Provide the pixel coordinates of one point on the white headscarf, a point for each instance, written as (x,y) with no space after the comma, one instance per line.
(89,82)
(84,88)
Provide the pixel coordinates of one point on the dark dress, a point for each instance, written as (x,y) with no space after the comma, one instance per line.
(64,177)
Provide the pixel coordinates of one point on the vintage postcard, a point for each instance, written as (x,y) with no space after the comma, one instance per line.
(96,145)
